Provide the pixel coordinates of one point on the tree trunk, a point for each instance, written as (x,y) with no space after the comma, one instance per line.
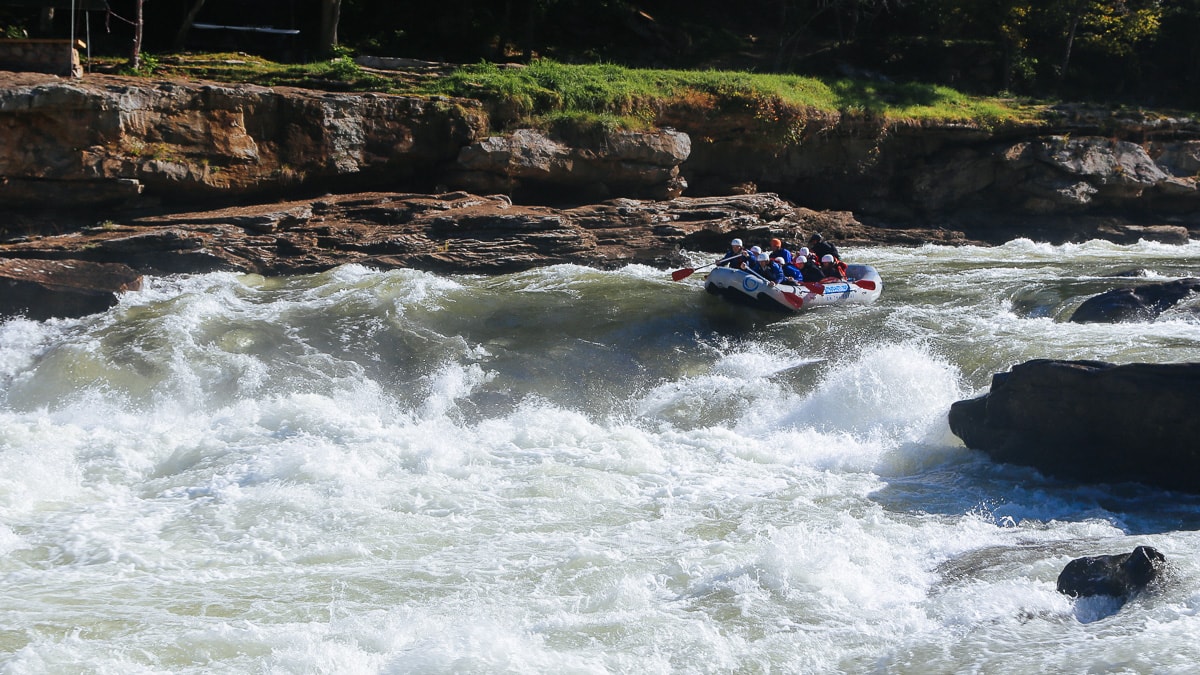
(331,11)
(186,27)
(135,58)
(1075,10)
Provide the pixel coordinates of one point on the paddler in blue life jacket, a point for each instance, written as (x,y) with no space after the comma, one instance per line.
(768,270)
(791,274)
(751,260)
(735,256)
(778,251)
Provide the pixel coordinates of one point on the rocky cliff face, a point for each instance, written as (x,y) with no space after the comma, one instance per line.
(105,139)
(920,173)
(108,139)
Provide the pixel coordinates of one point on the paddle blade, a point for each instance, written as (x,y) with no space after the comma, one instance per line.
(865,284)
(794,300)
(680,275)
(814,287)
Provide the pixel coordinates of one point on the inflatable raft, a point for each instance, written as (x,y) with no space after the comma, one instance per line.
(862,287)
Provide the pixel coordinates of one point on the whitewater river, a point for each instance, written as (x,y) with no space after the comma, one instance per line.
(572,471)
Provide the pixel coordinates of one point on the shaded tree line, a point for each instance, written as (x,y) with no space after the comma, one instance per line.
(1142,51)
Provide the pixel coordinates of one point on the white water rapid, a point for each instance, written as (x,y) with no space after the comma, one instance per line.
(572,471)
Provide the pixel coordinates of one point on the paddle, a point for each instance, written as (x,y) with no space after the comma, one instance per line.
(680,275)
(865,284)
(793,297)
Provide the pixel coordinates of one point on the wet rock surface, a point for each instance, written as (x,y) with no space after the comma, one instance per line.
(1142,303)
(1090,421)
(43,289)
(1120,576)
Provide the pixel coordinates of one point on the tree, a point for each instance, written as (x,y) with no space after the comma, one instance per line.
(186,27)
(1113,26)
(135,57)
(331,11)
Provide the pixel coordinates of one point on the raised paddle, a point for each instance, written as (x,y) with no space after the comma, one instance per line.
(680,275)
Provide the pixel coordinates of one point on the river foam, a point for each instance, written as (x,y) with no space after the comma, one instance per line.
(567,470)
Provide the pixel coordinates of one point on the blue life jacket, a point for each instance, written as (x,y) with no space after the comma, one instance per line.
(773,272)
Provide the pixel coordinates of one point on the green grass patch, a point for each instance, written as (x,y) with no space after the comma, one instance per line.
(338,74)
(547,88)
(549,94)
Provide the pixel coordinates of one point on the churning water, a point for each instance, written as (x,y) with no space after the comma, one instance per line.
(572,471)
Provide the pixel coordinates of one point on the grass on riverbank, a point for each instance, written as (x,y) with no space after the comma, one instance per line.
(546,88)
(546,93)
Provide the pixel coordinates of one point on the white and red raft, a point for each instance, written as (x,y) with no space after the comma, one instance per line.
(862,287)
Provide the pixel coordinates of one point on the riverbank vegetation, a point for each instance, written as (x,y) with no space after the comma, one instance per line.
(546,93)
(617,63)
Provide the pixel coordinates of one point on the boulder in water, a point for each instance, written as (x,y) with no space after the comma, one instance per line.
(1119,575)
(1091,421)
(41,289)
(1135,304)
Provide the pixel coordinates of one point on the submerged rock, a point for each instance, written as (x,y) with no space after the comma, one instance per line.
(1135,304)
(1091,421)
(1120,575)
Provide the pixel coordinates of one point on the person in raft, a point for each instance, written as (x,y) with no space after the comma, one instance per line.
(792,275)
(750,262)
(778,251)
(768,269)
(735,256)
(821,248)
(833,268)
(810,270)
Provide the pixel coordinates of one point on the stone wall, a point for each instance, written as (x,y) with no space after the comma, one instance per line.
(56,57)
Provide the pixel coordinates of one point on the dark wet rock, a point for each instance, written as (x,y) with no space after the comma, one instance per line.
(1091,421)
(41,289)
(1119,576)
(1135,304)
(1126,233)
